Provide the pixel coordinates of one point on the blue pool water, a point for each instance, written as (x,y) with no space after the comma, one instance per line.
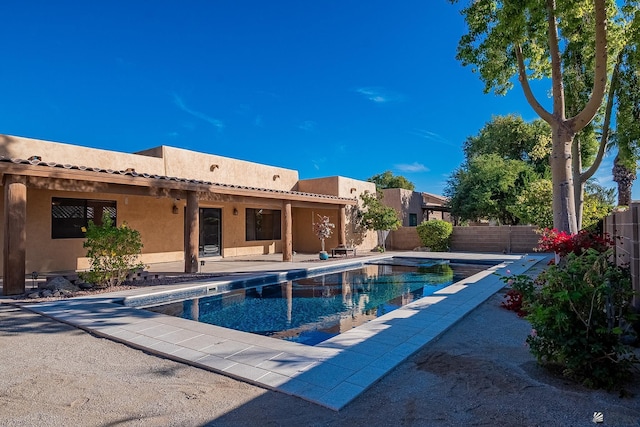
(313,309)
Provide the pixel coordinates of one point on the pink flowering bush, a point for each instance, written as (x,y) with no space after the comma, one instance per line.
(563,243)
(323,229)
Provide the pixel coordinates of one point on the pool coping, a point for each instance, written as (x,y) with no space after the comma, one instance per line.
(331,374)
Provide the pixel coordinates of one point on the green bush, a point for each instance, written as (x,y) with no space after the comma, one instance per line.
(113,252)
(578,313)
(435,234)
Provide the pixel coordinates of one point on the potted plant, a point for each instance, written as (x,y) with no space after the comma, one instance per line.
(323,230)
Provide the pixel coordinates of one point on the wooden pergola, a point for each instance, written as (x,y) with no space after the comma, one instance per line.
(18,175)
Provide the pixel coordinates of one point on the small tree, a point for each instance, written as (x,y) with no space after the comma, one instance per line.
(378,217)
(113,252)
(323,229)
(388,180)
(435,234)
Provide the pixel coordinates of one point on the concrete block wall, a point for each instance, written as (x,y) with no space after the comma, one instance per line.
(624,229)
(505,239)
(403,239)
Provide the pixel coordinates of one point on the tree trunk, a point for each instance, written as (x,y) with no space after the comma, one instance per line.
(624,178)
(578,183)
(564,207)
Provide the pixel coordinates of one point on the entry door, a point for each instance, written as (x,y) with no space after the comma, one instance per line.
(210,240)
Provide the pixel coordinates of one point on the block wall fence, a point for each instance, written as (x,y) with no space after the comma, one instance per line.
(501,239)
(623,228)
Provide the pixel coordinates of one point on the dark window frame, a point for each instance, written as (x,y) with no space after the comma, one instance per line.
(69,216)
(413,220)
(263,224)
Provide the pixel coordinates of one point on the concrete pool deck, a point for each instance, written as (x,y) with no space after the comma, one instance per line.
(330,374)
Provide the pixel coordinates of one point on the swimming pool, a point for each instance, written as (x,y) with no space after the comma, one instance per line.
(313,309)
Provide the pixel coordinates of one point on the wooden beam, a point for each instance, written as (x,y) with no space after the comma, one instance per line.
(192,233)
(102,180)
(287,227)
(15,235)
(342,226)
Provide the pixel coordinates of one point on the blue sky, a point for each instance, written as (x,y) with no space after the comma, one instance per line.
(345,87)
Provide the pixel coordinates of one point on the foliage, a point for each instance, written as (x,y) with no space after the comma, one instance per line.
(579,310)
(521,287)
(435,234)
(113,252)
(377,216)
(323,228)
(571,43)
(513,139)
(579,314)
(563,243)
(486,186)
(533,204)
(388,180)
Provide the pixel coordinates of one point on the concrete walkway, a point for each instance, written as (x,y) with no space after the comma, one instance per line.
(330,374)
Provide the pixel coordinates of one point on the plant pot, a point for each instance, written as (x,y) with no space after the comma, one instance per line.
(324,255)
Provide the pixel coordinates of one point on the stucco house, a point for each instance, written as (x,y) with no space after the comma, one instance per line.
(186,205)
(414,207)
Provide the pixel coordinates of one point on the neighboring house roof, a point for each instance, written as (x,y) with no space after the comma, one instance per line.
(37,168)
(436,196)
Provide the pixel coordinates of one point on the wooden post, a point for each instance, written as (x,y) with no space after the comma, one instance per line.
(192,233)
(287,226)
(342,226)
(15,235)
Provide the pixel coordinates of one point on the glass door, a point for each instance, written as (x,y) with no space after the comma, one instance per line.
(210,239)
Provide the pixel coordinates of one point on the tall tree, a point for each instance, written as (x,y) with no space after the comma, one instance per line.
(529,39)
(389,180)
(513,139)
(486,186)
(626,139)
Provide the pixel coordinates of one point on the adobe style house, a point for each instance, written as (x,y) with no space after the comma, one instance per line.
(186,206)
(414,207)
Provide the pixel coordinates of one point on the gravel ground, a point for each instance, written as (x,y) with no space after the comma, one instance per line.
(479,373)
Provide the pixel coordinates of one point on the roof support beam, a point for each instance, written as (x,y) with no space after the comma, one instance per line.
(15,235)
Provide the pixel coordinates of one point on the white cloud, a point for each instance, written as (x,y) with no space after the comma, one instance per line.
(413,167)
(181,105)
(379,95)
(432,136)
(308,125)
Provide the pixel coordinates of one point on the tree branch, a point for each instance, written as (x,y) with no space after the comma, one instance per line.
(524,83)
(556,63)
(590,110)
(604,139)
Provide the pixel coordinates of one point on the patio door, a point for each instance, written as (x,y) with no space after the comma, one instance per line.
(210,236)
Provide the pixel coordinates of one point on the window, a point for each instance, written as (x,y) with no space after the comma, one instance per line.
(69,216)
(413,220)
(263,224)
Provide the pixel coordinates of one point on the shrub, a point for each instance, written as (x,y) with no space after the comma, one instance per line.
(113,252)
(578,316)
(521,288)
(435,234)
(564,243)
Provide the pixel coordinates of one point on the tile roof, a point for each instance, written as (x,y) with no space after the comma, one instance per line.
(132,172)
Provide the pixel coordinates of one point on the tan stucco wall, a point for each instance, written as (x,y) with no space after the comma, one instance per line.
(168,161)
(163,231)
(23,148)
(184,163)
